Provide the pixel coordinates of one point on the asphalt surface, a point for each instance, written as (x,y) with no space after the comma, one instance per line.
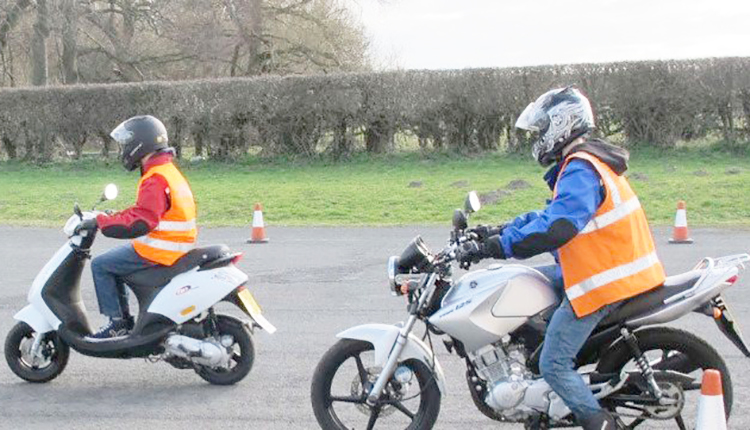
(312,283)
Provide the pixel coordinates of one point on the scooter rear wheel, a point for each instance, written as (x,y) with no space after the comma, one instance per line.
(242,353)
(54,352)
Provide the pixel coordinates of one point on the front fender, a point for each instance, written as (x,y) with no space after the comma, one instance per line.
(383,337)
(31,316)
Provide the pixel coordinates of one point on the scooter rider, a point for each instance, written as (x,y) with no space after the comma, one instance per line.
(162,221)
(595,226)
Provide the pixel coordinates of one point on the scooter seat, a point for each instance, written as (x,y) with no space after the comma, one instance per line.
(158,276)
(651,300)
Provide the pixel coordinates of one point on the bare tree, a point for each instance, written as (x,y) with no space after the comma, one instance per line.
(135,40)
(70,41)
(39,45)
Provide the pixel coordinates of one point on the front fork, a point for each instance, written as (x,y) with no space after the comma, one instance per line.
(34,350)
(403,336)
(390,365)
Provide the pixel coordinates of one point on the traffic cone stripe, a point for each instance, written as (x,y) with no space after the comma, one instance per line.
(257,219)
(680,220)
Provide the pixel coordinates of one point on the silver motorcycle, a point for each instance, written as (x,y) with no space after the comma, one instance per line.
(495,320)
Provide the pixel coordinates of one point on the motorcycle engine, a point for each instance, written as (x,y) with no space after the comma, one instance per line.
(503,368)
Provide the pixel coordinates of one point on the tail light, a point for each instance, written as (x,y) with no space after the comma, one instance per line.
(732,280)
(238,257)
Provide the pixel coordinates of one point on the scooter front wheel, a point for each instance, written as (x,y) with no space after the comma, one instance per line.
(50,360)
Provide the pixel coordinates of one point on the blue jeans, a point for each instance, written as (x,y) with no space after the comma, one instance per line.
(566,334)
(108,270)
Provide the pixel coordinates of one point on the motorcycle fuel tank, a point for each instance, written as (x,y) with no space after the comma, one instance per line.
(487,304)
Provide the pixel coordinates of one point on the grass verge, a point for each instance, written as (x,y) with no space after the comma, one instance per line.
(388,190)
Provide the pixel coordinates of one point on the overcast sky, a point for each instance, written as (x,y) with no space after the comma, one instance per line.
(448,34)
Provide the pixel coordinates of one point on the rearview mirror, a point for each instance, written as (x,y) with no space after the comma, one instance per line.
(459,220)
(110,192)
(472,203)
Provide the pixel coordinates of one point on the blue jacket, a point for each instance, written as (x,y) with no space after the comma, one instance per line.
(579,194)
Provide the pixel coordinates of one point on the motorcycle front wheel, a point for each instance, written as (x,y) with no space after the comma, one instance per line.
(344,377)
(667,350)
(52,358)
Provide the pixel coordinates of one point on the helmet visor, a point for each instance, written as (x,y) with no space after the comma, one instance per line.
(121,134)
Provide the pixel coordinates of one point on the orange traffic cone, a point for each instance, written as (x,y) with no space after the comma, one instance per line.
(680,233)
(258,234)
(711,414)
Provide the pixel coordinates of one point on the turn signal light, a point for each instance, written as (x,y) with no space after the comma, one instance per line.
(717,313)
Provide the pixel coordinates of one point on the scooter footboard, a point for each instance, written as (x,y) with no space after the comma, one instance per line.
(31,316)
(383,337)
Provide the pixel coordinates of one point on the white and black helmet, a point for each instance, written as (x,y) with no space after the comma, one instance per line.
(138,137)
(559,116)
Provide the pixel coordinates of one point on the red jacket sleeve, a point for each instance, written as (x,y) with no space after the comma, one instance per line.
(141,218)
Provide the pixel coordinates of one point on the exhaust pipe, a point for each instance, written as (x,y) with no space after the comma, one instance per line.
(206,353)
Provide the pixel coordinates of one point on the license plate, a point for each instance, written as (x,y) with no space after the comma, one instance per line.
(249,302)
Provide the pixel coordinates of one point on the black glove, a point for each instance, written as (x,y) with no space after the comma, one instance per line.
(491,247)
(86,225)
(469,252)
(485,231)
(473,252)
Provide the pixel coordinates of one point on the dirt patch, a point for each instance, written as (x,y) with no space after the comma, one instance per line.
(460,184)
(518,184)
(493,197)
(733,170)
(415,184)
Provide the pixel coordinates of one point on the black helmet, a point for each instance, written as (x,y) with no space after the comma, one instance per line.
(559,117)
(138,137)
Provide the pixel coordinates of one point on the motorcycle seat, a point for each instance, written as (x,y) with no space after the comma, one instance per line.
(651,300)
(159,275)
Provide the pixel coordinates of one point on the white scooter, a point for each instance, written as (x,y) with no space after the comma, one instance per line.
(176,321)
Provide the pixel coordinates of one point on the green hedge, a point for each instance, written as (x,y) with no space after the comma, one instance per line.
(658,102)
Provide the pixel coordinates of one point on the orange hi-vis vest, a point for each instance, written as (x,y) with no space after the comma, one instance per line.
(613,257)
(176,233)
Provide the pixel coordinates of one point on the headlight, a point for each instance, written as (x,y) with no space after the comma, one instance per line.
(393,264)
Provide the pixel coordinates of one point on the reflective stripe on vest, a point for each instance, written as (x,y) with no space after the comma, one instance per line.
(611,275)
(619,212)
(166,244)
(613,257)
(176,225)
(176,233)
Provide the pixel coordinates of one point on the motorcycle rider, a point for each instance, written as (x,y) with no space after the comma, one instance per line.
(162,221)
(595,226)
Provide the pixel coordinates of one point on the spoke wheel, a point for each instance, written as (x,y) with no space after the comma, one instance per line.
(667,350)
(51,361)
(236,338)
(345,376)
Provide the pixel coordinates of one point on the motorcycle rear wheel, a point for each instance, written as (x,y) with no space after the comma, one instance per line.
(350,396)
(55,351)
(668,348)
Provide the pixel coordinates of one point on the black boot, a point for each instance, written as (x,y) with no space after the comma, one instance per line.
(601,421)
